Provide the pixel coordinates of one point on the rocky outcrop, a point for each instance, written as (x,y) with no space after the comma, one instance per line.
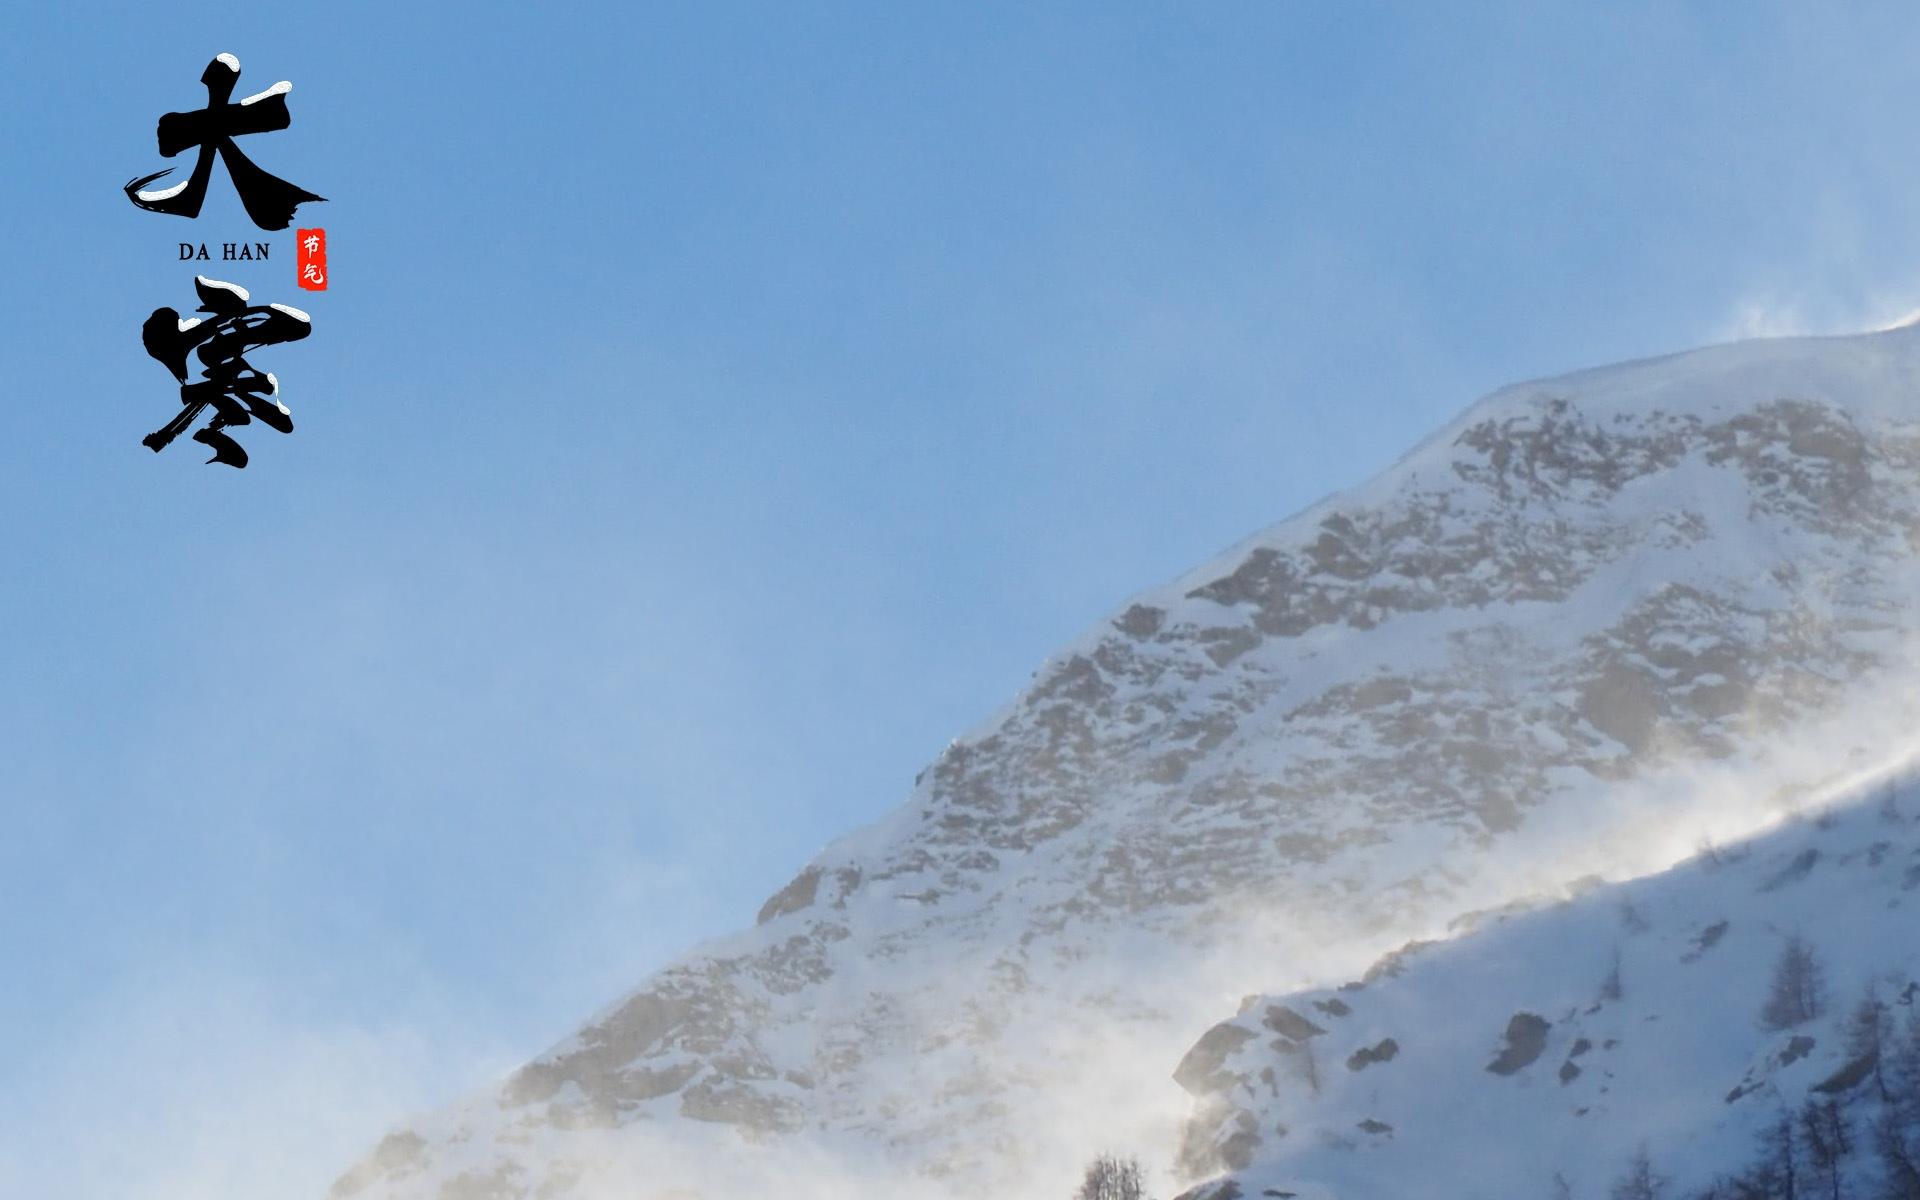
(1525,1039)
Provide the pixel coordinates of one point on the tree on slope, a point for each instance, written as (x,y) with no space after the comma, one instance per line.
(1829,1140)
(1798,991)
(1112,1178)
(1867,1036)
(1896,1131)
(1640,1182)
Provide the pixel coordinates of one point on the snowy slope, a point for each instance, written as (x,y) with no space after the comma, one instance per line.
(1591,608)
(1545,1051)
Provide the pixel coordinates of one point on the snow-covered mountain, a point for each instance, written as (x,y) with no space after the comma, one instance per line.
(1682,1017)
(1593,620)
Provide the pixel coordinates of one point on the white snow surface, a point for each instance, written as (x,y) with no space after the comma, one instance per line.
(1675,1059)
(1592,621)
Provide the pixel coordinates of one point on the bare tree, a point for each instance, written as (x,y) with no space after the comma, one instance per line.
(1824,1129)
(1631,918)
(1782,1164)
(1896,1131)
(1902,1068)
(1640,1182)
(1899,1159)
(1110,1177)
(1798,991)
(1708,852)
(1612,988)
(1867,1035)
(1309,1067)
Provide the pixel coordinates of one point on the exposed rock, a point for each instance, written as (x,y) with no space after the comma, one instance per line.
(1391,964)
(1526,1037)
(1795,871)
(1379,1052)
(1848,1077)
(397,1156)
(1290,1024)
(1219,1138)
(1225,1189)
(500,1183)
(1140,621)
(728,1100)
(791,898)
(1705,940)
(1200,1072)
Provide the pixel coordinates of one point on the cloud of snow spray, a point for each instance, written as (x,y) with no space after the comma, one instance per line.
(198,1083)
(1768,316)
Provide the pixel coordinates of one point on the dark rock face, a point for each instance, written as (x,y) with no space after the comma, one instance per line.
(396,1157)
(1795,871)
(1706,940)
(1200,1071)
(1290,1024)
(716,1098)
(1526,1038)
(1851,1076)
(1797,1048)
(651,1021)
(1223,1190)
(1140,621)
(1391,964)
(1366,1056)
(792,898)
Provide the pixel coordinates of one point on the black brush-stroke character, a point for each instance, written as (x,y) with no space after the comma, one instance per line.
(235,391)
(269,200)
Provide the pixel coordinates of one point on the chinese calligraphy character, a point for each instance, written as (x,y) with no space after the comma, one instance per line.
(269,200)
(311,250)
(235,391)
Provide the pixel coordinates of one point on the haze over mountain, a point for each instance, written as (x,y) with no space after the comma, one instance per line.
(1592,621)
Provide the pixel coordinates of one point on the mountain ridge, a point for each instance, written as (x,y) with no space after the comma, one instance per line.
(1577,593)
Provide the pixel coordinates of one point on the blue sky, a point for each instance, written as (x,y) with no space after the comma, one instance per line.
(717,409)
